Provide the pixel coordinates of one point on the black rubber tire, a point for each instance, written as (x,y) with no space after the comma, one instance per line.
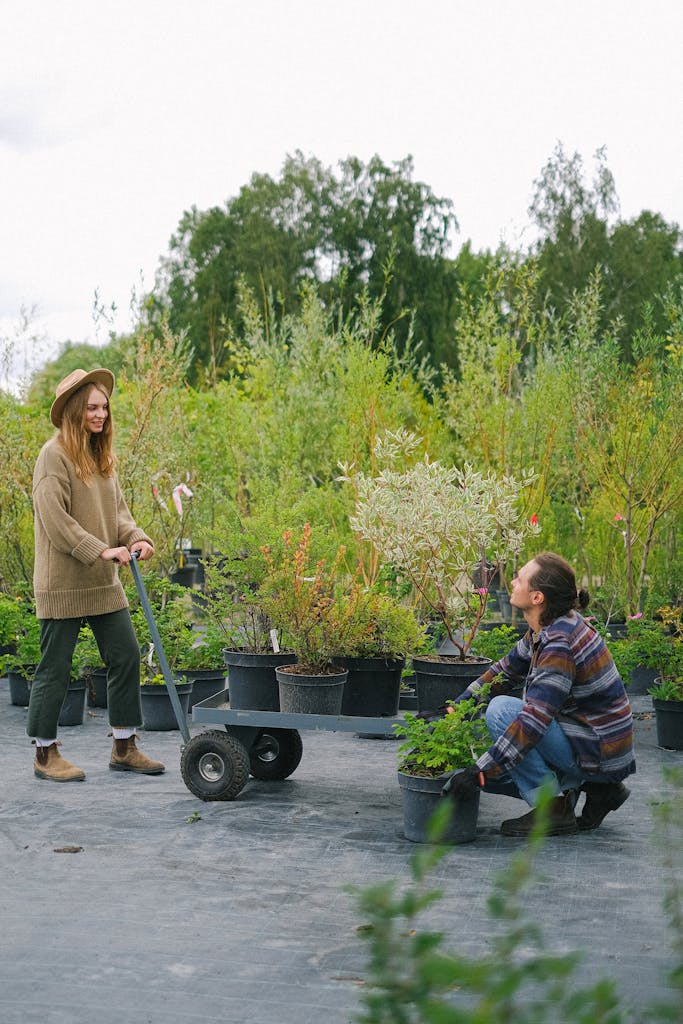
(275,754)
(214,766)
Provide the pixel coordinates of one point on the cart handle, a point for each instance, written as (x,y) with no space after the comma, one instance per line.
(159,648)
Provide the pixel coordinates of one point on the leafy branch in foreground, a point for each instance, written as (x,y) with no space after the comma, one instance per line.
(413,980)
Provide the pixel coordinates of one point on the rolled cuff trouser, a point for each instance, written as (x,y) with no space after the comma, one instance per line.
(551,758)
(120,651)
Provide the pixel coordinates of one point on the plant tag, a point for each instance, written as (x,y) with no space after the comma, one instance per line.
(273,640)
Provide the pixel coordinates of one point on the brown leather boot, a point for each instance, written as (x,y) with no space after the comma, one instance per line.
(560,820)
(125,757)
(49,764)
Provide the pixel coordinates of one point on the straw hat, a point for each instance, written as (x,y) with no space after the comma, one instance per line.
(71,384)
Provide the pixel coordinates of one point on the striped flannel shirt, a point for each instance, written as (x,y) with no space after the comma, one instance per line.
(569,676)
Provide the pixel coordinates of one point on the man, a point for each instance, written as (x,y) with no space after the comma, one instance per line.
(573,723)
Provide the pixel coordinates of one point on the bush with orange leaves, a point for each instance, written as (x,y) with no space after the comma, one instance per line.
(319,610)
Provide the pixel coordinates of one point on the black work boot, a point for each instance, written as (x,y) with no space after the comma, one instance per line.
(560,819)
(601,798)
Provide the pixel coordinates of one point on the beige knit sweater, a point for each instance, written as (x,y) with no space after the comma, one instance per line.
(74,524)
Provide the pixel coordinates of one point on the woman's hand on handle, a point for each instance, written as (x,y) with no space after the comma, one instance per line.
(146,550)
(121,555)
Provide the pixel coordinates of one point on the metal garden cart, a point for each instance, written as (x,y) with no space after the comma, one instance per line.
(215,765)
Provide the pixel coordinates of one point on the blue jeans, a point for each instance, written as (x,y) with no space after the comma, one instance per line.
(552,757)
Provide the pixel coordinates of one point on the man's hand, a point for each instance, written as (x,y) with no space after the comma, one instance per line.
(463,784)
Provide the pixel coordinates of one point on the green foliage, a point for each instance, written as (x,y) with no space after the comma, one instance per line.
(169,604)
(639,260)
(630,451)
(154,455)
(231,604)
(369,229)
(436,525)
(26,653)
(205,652)
(288,434)
(10,619)
(23,433)
(451,742)
(313,604)
(495,643)
(668,689)
(387,629)
(412,979)
(87,657)
(656,645)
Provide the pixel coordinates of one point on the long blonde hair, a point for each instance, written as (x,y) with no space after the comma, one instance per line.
(90,453)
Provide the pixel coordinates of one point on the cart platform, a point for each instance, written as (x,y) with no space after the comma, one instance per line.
(216,764)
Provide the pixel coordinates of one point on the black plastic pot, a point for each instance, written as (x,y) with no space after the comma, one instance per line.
(20,686)
(96,682)
(669,720)
(205,682)
(73,706)
(407,698)
(372,687)
(504,606)
(251,679)
(421,797)
(157,711)
(311,694)
(444,678)
(641,679)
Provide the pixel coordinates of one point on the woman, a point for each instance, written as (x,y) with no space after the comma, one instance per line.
(573,725)
(83,530)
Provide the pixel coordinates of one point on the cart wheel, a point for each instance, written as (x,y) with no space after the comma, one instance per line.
(275,754)
(214,766)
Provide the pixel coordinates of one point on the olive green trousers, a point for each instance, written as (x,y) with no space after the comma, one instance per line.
(118,646)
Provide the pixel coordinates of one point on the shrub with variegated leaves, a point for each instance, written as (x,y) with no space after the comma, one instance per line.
(437,524)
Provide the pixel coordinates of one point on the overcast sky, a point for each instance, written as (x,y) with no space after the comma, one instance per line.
(115,117)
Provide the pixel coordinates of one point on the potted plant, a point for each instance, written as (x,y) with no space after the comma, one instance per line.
(637,650)
(667,693)
(437,526)
(202,663)
(10,622)
(19,663)
(251,650)
(431,751)
(375,656)
(317,610)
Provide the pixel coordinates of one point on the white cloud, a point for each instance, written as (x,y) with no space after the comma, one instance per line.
(116,117)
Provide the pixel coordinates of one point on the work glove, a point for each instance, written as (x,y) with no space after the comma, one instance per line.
(463,784)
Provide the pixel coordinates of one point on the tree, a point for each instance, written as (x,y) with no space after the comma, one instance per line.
(645,263)
(638,260)
(371,228)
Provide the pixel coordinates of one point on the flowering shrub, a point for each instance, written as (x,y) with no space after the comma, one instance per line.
(436,525)
(317,610)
